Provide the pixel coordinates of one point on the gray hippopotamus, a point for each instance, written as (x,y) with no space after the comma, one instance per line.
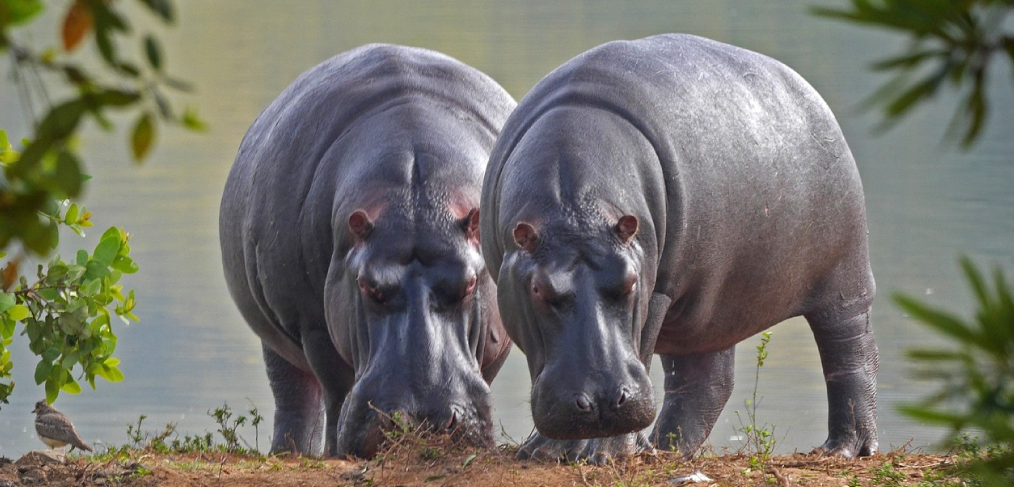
(674,195)
(350,241)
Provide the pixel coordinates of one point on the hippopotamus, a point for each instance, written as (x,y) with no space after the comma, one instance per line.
(350,241)
(674,195)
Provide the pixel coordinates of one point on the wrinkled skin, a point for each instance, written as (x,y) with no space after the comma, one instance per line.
(674,195)
(349,231)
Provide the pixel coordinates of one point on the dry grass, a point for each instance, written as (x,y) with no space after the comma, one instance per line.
(426,460)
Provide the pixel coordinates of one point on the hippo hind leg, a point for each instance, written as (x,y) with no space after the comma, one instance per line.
(697,386)
(849,358)
(298,406)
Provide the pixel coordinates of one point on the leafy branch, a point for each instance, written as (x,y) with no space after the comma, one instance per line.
(66,314)
(977,376)
(952,41)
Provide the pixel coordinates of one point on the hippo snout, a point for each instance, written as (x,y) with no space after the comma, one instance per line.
(570,409)
(363,438)
(368,420)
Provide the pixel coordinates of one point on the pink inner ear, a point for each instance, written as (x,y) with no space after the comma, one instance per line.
(525,237)
(472,225)
(360,224)
(626,228)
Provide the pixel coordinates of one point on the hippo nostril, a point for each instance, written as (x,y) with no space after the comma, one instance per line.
(582,402)
(621,398)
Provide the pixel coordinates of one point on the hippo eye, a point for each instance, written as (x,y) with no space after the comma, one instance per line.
(470,287)
(372,291)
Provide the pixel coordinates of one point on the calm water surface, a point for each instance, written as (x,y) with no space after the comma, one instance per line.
(926,202)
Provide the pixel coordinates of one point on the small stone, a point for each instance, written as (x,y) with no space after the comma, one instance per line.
(43,457)
(35,476)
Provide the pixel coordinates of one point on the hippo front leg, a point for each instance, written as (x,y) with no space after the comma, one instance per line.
(595,450)
(298,420)
(697,386)
(336,378)
(849,357)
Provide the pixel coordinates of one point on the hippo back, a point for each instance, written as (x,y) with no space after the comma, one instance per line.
(753,164)
(289,179)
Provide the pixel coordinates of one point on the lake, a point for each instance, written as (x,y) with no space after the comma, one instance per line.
(927,201)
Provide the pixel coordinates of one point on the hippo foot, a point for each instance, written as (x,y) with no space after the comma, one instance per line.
(847,447)
(595,450)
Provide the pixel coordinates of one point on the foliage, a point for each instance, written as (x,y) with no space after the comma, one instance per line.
(952,41)
(759,439)
(228,427)
(977,376)
(65,313)
(168,440)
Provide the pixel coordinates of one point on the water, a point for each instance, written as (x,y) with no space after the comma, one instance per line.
(926,202)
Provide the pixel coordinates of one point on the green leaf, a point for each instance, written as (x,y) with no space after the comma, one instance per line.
(18,312)
(112,374)
(61,120)
(7,301)
(976,281)
(939,320)
(142,137)
(153,51)
(161,8)
(42,371)
(70,323)
(931,416)
(17,12)
(932,355)
(50,354)
(124,264)
(107,249)
(52,390)
(192,122)
(68,174)
(907,60)
(114,98)
(99,322)
(96,270)
(177,84)
(71,387)
(72,214)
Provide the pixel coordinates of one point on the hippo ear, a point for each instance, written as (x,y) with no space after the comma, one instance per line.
(360,224)
(470,225)
(526,237)
(626,228)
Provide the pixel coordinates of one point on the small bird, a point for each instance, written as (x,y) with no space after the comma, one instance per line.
(55,429)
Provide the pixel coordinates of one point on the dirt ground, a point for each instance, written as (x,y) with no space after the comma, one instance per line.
(432,466)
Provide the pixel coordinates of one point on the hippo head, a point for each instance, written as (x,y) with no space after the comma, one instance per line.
(572,295)
(424,336)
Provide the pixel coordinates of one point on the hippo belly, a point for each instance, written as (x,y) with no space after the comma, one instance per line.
(349,233)
(674,195)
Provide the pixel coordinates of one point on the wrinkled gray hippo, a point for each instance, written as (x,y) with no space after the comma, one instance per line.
(674,195)
(350,241)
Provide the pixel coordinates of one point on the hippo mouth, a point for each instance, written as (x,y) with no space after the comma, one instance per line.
(365,431)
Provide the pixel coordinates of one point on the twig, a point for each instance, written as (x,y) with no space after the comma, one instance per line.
(782,480)
(584,479)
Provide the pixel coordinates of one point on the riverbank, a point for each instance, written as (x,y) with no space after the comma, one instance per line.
(432,466)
